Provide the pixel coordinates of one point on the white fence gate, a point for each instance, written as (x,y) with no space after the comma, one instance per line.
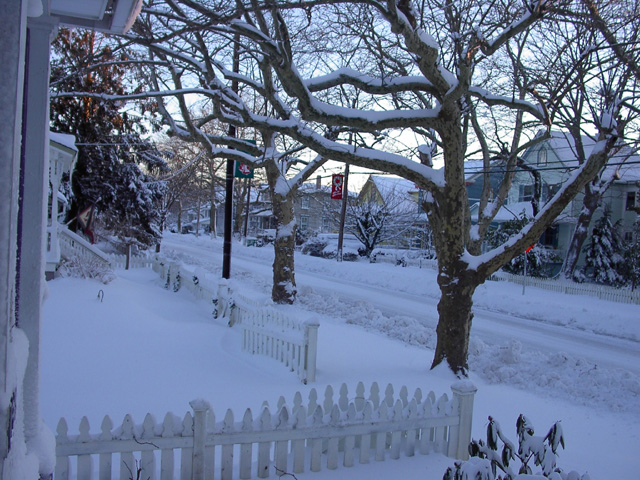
(294,438)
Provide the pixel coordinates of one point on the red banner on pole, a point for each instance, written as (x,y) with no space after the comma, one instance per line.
(336,186)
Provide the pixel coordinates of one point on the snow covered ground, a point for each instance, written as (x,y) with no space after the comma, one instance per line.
(550,356)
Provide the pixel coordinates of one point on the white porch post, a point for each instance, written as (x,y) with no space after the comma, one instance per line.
(12,39)
(33,210)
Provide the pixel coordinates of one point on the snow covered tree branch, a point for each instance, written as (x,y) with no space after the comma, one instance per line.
(435,71)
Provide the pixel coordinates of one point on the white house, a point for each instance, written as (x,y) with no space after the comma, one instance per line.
(62,157)
(28,28)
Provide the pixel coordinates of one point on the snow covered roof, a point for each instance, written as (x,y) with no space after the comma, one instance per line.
(68,141)
(388,185)
(397,193)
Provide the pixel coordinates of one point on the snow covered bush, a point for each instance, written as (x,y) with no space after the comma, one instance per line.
(86,268)
(314,246)
(603,260)
(486,459)
(325,245)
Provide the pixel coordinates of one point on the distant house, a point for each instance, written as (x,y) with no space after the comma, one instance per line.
(555,159)
(403,200)
(315,210)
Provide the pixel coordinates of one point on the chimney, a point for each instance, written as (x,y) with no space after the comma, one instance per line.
(318,182)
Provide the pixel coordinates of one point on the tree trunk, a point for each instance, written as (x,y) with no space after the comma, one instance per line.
(449,216)
(284,283)
(589,206)
(454,324)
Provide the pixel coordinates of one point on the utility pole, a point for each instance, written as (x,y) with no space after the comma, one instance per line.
(343,210)
(246,218)
(228,202)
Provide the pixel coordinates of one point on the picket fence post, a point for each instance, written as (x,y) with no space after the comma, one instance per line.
(464,392)
(311,334)
(200,409)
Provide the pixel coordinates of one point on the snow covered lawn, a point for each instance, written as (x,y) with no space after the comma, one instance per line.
(145,349)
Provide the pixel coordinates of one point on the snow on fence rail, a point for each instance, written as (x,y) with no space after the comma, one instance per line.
(292,439)
(265,330)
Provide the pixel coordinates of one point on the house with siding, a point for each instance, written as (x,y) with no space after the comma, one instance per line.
(555,159)
(315,210)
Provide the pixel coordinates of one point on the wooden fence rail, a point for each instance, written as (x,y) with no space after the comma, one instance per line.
(296,437)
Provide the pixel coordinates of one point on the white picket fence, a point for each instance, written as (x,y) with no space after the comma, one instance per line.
(265,329)
(290,341)
(295,438)
(120,261)
(602,292)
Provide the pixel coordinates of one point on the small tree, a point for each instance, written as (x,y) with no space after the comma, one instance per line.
(533,451)
(367,222)
(603,256)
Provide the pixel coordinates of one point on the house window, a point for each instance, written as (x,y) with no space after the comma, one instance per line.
(305,202)
(628,237)
(304,223)
(631,201)
(550,237)
(542,157)
(550,190)
(526,193)
(326,224)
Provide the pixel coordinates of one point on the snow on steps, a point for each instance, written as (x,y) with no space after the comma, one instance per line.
(72,244)
(292,438)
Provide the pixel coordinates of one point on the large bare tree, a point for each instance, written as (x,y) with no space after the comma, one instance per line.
(436,71)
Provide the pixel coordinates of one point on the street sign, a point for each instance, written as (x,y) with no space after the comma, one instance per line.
(336,186)
(243,170)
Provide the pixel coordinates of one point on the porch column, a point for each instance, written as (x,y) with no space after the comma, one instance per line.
(33,210)
(12,39)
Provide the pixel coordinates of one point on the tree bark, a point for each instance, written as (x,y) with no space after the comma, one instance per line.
(454,324)
(589,206)
(284,283)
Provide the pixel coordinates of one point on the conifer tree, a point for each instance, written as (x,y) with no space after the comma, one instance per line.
(603,257)
(115,161)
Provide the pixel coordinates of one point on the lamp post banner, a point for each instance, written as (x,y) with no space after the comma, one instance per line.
(336,186)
